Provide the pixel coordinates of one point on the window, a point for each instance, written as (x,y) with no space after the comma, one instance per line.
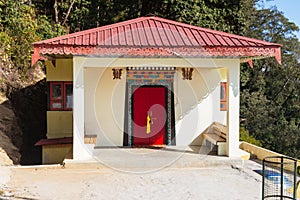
(61,96)
(68,92)
(223,96)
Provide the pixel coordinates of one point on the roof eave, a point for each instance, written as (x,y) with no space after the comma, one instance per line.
(244,53)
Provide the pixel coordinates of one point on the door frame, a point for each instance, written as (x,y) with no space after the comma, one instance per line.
(149,77)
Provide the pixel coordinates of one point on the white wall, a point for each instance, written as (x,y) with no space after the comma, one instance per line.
(91,77)
(81,151)
(197,103)
(104,106)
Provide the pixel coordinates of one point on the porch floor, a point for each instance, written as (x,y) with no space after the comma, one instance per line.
(153,159)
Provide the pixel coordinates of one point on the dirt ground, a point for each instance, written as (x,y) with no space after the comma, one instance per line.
(96,182)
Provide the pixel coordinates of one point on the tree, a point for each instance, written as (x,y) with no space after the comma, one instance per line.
(19,28)
(75,15)
(70,14)
(270,103)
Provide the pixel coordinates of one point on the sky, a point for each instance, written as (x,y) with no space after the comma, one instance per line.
(290,9)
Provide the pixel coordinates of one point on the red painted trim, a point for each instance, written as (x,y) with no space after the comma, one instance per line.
(224,98)
(165,51)
(250,62)
(223,88)
(53,141)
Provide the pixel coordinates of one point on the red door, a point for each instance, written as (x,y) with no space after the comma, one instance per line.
(149,115)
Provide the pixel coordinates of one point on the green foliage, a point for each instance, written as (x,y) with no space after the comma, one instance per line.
(46,30)
(270,101)
(19,28)
(230,16)
(16,28)
(73,15)
(244,136)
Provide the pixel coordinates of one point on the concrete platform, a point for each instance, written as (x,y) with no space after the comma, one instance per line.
(89,181)
(153,159)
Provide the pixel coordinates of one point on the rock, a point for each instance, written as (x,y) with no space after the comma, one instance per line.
(4,159)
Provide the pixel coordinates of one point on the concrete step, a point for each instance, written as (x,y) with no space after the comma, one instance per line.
(152,159)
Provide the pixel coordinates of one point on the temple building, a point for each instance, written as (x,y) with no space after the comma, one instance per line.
(148,81)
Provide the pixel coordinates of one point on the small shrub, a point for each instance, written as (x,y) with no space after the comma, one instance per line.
(244,136)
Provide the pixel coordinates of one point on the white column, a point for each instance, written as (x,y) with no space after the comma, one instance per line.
(233,113)
(80,150)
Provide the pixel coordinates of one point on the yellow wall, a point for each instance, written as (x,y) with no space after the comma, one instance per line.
(54,154)
(62,71)
(260,152)
(59,124)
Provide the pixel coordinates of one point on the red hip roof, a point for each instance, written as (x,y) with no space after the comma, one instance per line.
(154,36)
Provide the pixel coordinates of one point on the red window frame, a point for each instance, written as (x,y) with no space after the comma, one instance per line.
(223,96)
(62,100)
